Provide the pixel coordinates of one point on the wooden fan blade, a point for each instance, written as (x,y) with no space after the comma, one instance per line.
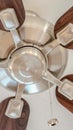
(64,20)
(17,5)
(68,104)
(14,124)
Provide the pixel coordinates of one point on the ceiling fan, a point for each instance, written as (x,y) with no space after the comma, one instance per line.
(28,63)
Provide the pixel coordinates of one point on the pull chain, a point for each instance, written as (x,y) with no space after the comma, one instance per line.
(50,99)
(52,121)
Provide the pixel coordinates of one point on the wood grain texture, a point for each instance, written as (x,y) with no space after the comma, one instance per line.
(17,5)
(13,124)
(68,104)
(64,20)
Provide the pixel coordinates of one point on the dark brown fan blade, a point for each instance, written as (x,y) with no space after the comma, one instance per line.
(17,5)
(7,123)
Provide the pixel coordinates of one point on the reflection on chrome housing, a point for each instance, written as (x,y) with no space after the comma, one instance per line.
(36,29)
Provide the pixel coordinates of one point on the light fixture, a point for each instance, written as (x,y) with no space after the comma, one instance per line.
(28,62)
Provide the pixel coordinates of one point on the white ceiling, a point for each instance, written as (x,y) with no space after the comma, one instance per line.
(48,9)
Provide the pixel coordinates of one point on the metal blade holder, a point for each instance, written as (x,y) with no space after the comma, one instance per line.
(65,86)
(15,105)
(64,37)
(10,22)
